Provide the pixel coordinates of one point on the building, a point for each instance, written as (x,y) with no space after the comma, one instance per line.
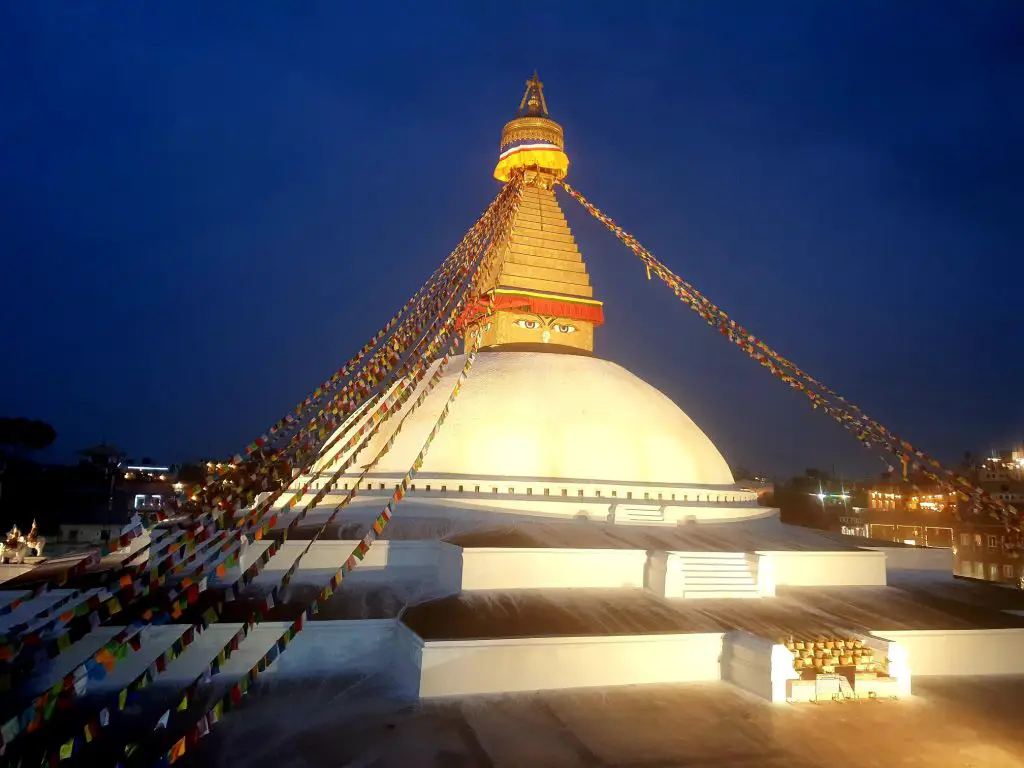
(102,494)
(915,511)
(980,545)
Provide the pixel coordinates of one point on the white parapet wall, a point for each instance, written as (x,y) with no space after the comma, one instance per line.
(861,568)
(966,652)
(917,558)
(534,568)
(757,665)
(464,667)
(434,564)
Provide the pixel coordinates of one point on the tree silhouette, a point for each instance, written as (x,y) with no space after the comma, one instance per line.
(26,434)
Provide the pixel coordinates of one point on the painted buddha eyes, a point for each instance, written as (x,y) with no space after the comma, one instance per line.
(533,325)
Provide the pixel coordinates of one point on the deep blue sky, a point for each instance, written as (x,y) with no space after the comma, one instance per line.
(204,211)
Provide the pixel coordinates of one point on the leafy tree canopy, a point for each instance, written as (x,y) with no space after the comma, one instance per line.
(28,434)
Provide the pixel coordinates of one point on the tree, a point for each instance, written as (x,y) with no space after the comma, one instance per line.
(26,434)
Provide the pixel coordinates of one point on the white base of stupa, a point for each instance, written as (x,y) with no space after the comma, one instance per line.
(439,619)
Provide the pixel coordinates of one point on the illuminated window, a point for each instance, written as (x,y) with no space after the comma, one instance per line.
(965,568)
(1007,571)
(993,572)
(993,541)
(979,570)
(965,539)
(977,539)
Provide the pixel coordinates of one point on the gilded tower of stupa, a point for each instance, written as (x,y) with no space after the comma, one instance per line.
(541,293)
(542,426)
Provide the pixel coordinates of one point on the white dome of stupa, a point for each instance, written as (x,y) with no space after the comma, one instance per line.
(547,416)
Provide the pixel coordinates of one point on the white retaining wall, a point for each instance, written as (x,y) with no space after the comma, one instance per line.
(960,652)
(432,563)
(757,665)
(452,668)
(917,558)
(447,568)
(534,568)
(827,569)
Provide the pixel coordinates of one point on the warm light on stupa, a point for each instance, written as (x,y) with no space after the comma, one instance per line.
(532,140)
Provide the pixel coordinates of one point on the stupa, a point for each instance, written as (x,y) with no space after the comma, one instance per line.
(543,426)
(554,536)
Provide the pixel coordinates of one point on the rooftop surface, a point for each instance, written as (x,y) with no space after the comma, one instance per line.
(974,722)
(798,611)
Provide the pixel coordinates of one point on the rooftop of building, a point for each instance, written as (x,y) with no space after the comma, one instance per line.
(359,721)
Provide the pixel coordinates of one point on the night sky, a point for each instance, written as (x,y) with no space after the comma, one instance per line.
(205,211)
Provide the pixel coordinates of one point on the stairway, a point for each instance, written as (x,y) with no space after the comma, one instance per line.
(647,514)
(717,574)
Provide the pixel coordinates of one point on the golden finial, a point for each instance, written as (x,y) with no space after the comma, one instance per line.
(532,139)
(533,104)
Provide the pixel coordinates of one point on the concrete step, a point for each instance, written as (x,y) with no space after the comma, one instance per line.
(695,554)
(689,594)
(701,586)
(706,567)
(646,517)
(738,579)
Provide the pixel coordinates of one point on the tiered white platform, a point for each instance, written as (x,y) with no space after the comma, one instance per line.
(439,619)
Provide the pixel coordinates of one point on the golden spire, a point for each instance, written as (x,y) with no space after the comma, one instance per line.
(540,298)
(533,104)
(532,140)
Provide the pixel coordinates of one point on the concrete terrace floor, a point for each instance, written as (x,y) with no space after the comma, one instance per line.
(796,611)
(966,722)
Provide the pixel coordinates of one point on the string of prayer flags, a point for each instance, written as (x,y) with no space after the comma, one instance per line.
(866,429)
(233,696)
